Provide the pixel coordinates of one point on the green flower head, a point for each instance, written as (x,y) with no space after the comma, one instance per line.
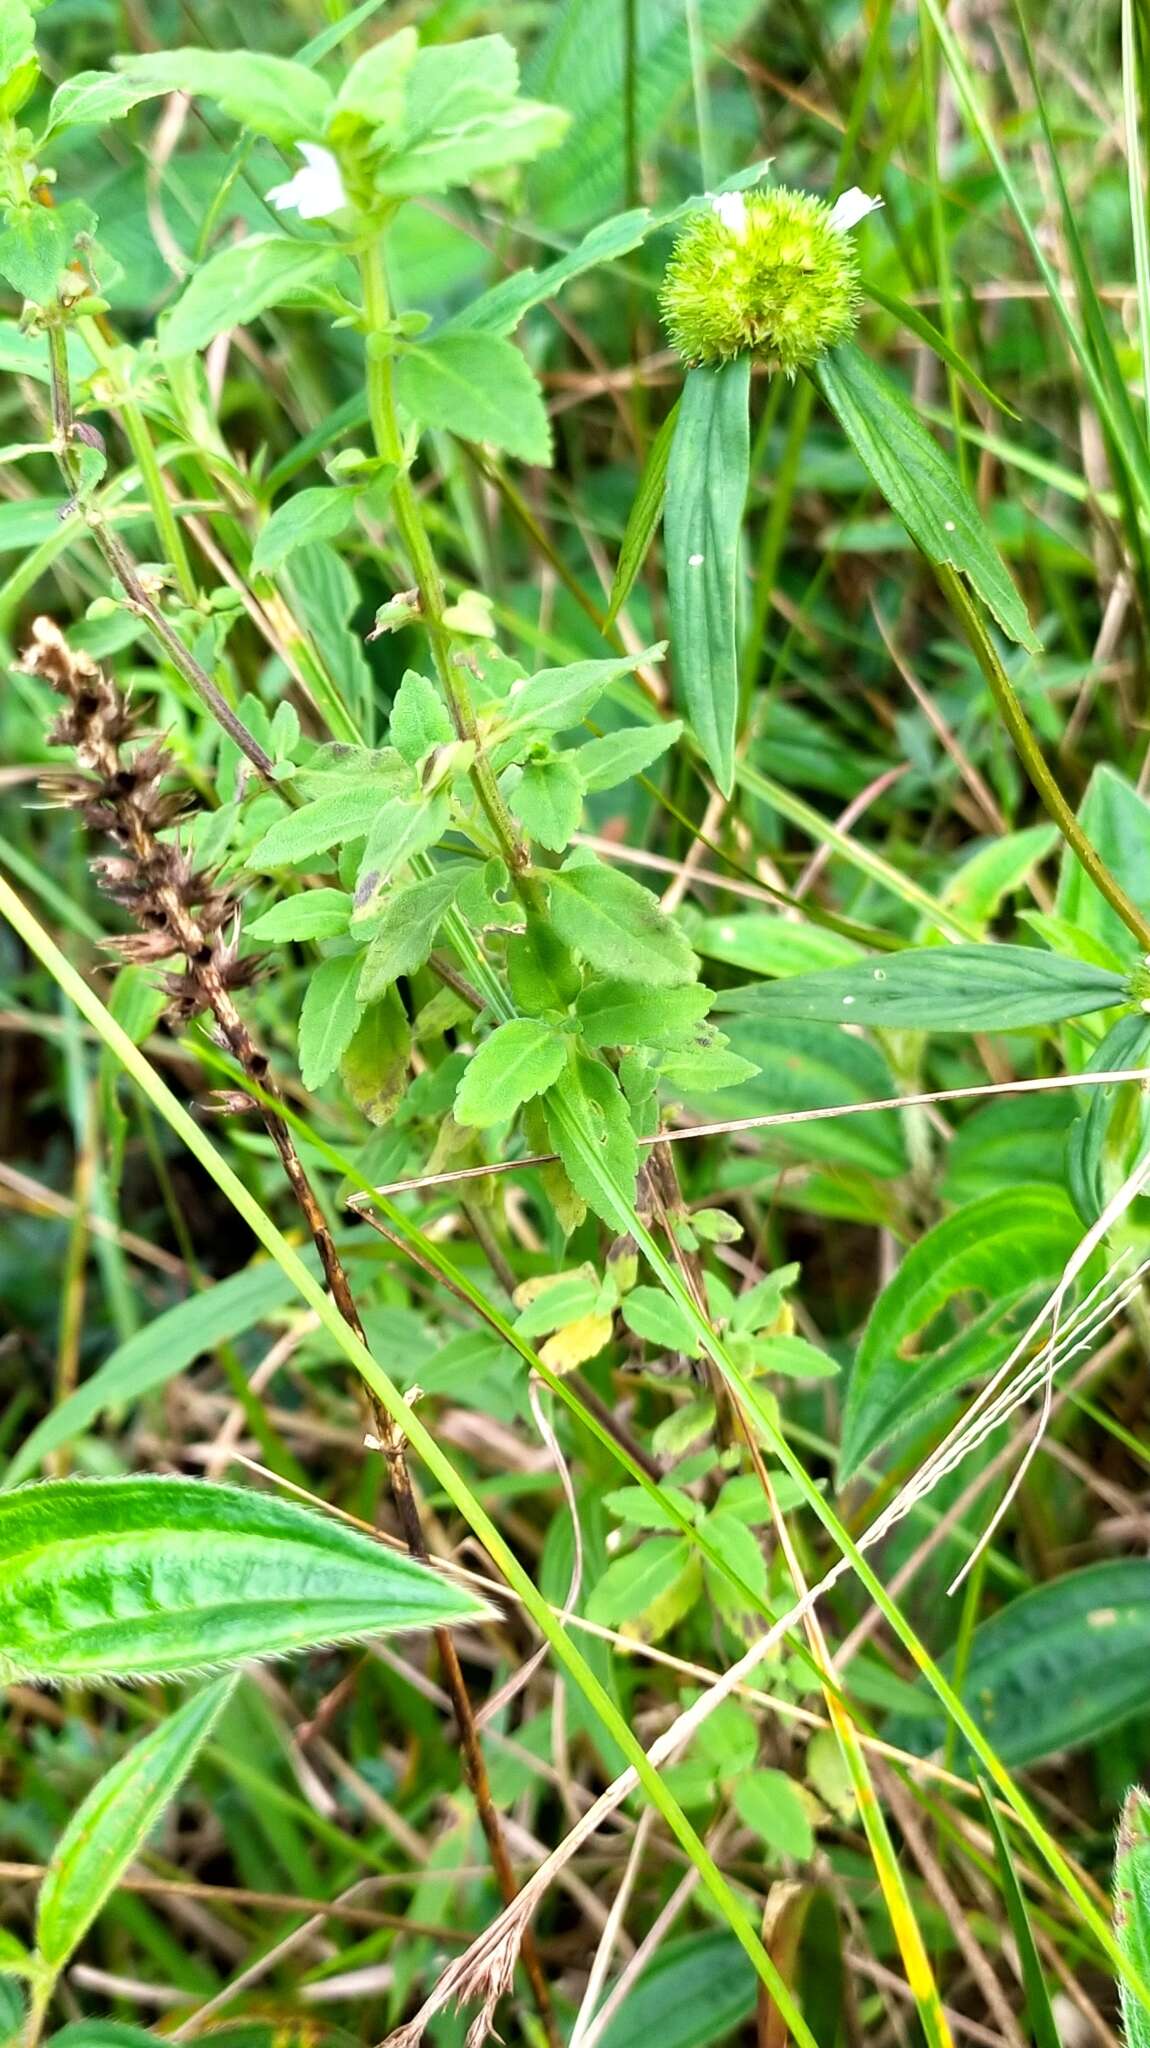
(773,271)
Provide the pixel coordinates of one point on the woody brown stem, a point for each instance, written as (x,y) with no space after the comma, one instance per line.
(182,912)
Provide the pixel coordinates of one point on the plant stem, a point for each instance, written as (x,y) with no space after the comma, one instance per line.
(1014,719)
(124,569)
(425,568)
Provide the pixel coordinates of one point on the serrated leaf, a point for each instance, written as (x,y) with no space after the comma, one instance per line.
(604,763)
(655,1584)
(463,116)
(644,516)
(92,97)
(616,1012)
(314,914)
(793,1357)
(114,1821)
(142,1577)
(555,699)
(479,387)
(404,931)
(938,988)
(320,514)
(643,1510)
(36,246)
(236,285)
(917,481)
(517,1062)
(618,926)
(375,87)
(708,472)
(327,1021)
(1000,1248)
(547,799)
(320,826)
(285,101)
(652,1315)
(401,829)
(541,972)
(590,1127)
(419,718)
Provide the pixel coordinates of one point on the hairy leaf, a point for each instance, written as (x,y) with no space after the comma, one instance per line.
(518,1061)
(479,387)
(236,285)
(618,926)
(130,1578)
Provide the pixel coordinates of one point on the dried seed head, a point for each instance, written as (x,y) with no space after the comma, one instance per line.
(768,271)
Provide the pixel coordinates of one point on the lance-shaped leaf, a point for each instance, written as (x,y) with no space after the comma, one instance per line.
(918,482)
(1132,1908)
(141,1577)
(707,477)
(939,988)
(115,1820)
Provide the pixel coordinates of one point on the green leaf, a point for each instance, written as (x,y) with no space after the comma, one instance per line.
(155,1354)
(463,116)
(1113,1131)
(618,1012)
(404,931)
(541,972)
(375,88)
(374,1067)
(644,516)
(994,871)
(404,827)
(555,699)
(606,762)
(916,323)
(652,1315)
(917,481)
(618,926)
(1116,820)
(1057,1668)
(13,2014)
(938,988)
(17,39)
(547,799)
(761,942)
(705,1065)
(1132,1910)
(590,1128)
(319,514)
(285,101)
(419,718)
(708,472)
(315,914)
(793,1357)
(479,387)
(236,285)
(518,1061)
(1043,2026)
(92,97)
(500,310)
(665,1510)
(637,1581)
(694,1993)
(114,1821)
(771,1804)
(37,245)
(327,1021)
(999,1248)
(141,1578)
(17,1960)
(318,827)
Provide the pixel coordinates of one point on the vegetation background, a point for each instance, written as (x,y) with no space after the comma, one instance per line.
(301,494)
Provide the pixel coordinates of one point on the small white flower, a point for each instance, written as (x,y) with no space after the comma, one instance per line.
(731,208)
(315,191)
(851,207)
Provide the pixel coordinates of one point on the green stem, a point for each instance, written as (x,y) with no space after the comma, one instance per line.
(1014,719)
(163,515)
(413,533)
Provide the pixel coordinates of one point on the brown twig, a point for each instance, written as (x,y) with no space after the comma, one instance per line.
(182,911)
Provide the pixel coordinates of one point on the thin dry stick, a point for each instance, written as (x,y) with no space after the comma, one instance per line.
(731,1126)
(183,912)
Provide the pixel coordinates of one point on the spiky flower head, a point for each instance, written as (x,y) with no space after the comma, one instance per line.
(775,271)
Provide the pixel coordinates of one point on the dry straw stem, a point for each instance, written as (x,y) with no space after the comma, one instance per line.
(182,912)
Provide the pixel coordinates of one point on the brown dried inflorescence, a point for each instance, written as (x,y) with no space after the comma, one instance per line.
(124,793)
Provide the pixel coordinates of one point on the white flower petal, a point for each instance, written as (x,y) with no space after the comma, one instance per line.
(731,208)
(316,191)
(851,207)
